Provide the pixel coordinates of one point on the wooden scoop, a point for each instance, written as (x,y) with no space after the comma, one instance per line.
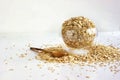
(53,53)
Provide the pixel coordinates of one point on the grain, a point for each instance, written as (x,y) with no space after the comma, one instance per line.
(11,69)
(51,69)
(87,76)
(78,32)
(11,58)
(100,55)
(39,65)
(97,53)
(25,66)
(23,55)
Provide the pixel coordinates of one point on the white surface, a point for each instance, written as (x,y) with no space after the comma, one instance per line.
(48,15)
(12,45)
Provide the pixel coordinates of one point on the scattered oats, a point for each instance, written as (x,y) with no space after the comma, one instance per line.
(25,66)
(78,75)
(115,69)
(5,60)
(6,63)
(30,59)
(17,54)
(13,45)
(51,69)
(56,65)
(39,65)
(11,69)
(58,73)
(11,58)
(22,55)
(102,64)
(87,76)
(6,48)
(88,70)
(29,45)
(93,70)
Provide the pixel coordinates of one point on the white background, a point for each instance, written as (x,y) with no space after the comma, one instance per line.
(48,15)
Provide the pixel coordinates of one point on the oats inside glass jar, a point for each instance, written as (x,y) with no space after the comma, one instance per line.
(78,32)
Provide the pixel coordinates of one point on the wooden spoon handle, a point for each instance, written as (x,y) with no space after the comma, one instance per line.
(53,54)
(38,50)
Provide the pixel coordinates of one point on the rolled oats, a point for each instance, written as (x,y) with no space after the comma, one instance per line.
(78,32)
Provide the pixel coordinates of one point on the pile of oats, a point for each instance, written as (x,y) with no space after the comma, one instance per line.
(97,53)
(78,32)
